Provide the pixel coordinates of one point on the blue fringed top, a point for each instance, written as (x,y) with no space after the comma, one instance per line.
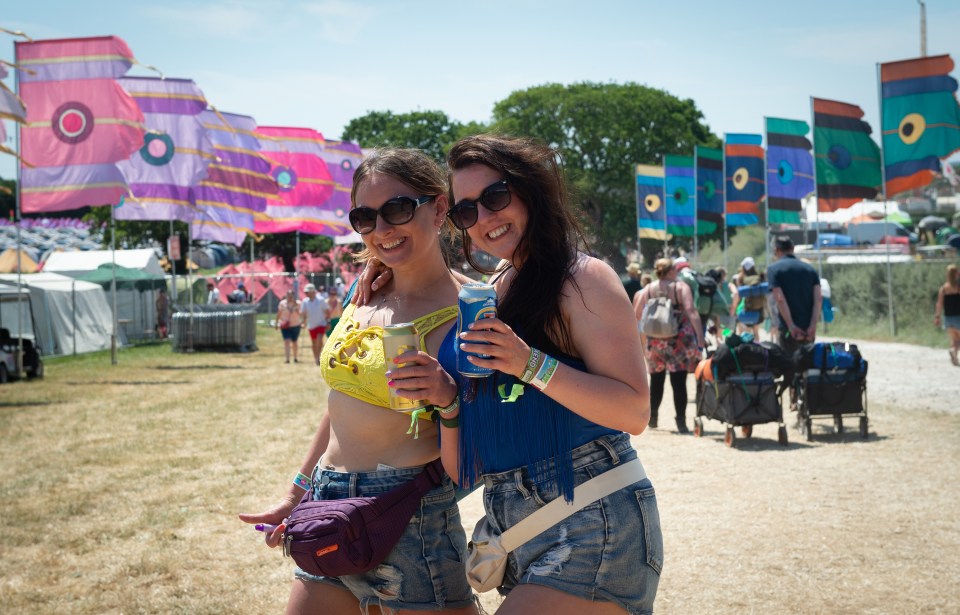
(497,434)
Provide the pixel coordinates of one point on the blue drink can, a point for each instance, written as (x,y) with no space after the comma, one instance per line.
(476,301)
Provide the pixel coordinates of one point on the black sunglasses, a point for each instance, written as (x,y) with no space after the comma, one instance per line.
(494,197)
(398,210)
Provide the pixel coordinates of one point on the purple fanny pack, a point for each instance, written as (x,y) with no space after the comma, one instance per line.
(334,538)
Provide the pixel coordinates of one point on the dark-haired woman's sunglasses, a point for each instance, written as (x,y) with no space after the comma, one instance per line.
(398,210)
(494,197)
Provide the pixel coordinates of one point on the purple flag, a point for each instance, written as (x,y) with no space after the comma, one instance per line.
(175,154)
(342,158)
(237,185)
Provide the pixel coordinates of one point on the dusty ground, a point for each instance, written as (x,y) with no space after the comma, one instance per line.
(836,525)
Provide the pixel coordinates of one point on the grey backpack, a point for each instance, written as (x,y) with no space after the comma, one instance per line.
(659,318)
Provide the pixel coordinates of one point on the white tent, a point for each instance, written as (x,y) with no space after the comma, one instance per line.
(71,316)
(136,310)
(79,262)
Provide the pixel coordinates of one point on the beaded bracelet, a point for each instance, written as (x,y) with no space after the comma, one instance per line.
(545,373)
(303,481)
(448,410)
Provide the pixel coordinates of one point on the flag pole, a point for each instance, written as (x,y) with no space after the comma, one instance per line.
(16,89)
(816,190)
(723,158)
(766,193)
(696,205)
(883,193)
(113,280)
(173,263)
(189,347)
(666,244)
(636,193)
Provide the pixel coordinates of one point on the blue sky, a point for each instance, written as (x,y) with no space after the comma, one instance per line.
(320,63)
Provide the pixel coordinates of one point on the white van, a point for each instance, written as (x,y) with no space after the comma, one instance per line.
(870,233)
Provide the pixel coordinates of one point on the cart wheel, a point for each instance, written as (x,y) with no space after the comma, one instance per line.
(782,435)
(808,429)
(746,431)
(730,439)
(698,427)
(863,427)
(838,423)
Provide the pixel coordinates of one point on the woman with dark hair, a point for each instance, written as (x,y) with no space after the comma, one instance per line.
(362,446)
(569,381)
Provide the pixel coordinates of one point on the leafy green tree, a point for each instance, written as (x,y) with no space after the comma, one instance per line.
(431,131)
(602,130)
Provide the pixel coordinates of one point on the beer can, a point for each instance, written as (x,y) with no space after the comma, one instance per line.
(476,301)
(398,339)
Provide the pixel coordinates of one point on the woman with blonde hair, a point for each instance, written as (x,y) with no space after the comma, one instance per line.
(677,355)
(948,304)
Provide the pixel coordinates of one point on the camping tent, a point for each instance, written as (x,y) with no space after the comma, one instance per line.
(136,296)
(8,262)
(136,309)
(71,316)
(76,263)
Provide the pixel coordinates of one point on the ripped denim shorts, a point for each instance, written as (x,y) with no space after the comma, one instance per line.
(424,571)
(612,550)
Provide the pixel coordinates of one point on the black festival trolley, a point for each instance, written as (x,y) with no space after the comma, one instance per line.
(741,400)
(831,381)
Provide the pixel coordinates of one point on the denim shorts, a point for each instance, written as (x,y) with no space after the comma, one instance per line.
(425,570)
(612,550)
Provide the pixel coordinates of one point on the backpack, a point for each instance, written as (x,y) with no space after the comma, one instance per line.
(707,289)
(754,293)
(660,319)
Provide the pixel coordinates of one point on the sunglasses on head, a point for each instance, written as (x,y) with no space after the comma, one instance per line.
(398,210)
(494,197)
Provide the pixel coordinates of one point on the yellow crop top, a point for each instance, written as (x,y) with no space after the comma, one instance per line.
(352,360)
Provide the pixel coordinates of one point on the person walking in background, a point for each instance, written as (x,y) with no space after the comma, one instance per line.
(750,311)
(360,449)
(948,305)
(213,294)
(289,322)
(677,355)
(314,312)
(334,309)
(162,305)
(633,283)
(795,287)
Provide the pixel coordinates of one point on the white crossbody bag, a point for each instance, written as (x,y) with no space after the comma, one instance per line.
(487,556)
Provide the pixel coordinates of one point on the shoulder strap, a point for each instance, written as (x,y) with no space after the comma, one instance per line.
(426,324)
(432,476)
(587,493)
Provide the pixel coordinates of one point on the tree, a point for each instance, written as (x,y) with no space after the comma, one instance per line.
(431,131)
(602,130)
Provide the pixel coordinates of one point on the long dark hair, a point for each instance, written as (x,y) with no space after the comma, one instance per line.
(548,247)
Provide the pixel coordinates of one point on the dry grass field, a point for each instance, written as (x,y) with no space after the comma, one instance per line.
(120,486)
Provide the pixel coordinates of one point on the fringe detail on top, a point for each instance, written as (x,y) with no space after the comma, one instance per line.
(536,428)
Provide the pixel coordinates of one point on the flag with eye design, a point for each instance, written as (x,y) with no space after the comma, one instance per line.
(709,189)
(920,120)
(651,218)
(342,158)
(846,159)
(80,122)
(175,153)
(304,181)
(680,190)
(237,185)
(743,167)
(789,169)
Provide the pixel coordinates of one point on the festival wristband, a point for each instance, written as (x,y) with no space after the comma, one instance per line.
(545,373)
(302,481)
(533,364)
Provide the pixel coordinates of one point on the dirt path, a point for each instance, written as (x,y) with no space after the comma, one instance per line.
(836,525)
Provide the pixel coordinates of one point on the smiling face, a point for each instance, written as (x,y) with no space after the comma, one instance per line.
(496,232)
(402,245)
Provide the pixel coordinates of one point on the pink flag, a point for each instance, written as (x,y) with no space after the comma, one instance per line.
(79,122)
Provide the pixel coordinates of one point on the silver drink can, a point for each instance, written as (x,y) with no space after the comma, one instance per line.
(476,301)
(398,339)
